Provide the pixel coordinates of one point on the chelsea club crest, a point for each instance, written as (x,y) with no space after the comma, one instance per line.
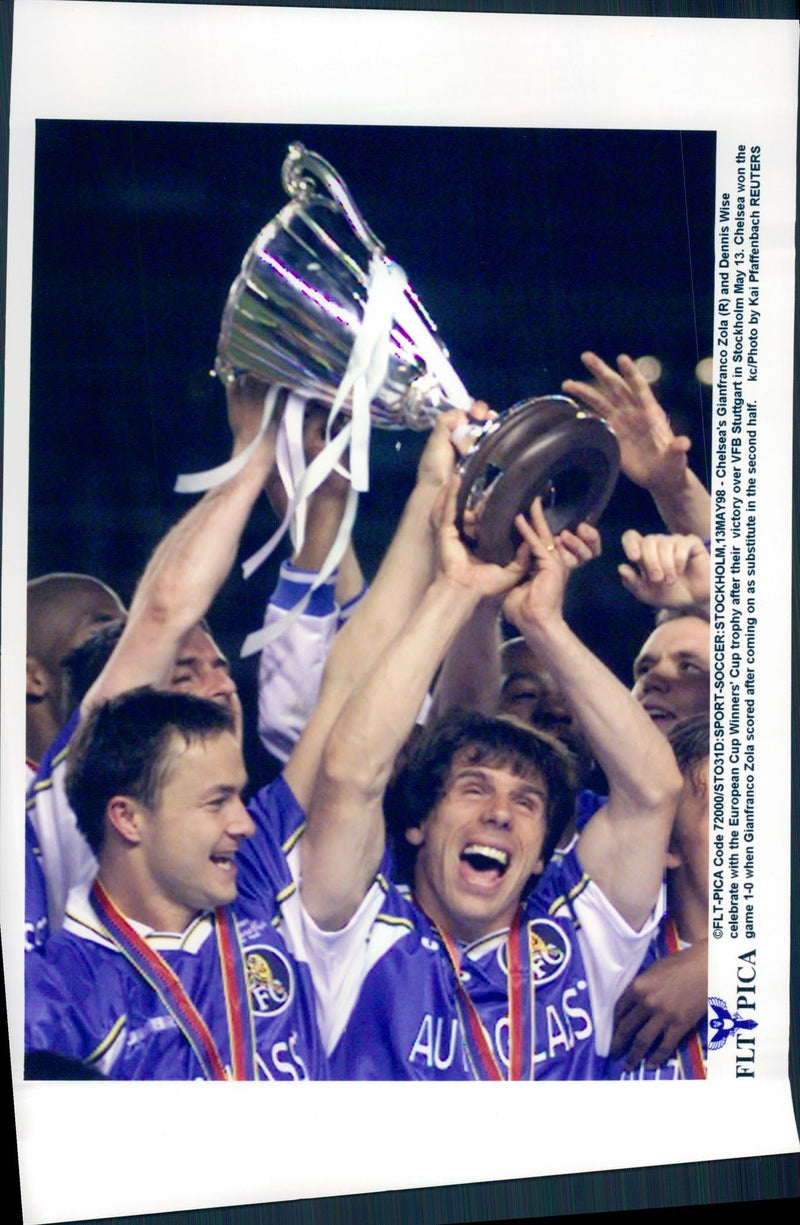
(269,980)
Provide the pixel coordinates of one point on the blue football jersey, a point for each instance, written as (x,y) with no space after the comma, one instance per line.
(85,1000)
(391,1007)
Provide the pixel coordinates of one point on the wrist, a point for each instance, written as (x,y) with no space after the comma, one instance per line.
(669,482)
(547,633)
(263,455)
(453,595)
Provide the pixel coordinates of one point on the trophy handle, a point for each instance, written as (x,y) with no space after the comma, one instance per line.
(302,187)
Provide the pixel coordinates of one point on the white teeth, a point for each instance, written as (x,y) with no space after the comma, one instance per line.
(488,852)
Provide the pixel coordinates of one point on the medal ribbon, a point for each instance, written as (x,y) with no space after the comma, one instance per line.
(520,1009)
(694,1045)
(173,995)
(237,996)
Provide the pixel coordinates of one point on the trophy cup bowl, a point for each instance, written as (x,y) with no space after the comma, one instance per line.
(546,447)
(299,306)
(295,309)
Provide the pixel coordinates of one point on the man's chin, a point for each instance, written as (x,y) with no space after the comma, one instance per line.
(481,916)
(664,721)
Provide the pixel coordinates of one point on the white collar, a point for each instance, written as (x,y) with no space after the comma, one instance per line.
(80,920)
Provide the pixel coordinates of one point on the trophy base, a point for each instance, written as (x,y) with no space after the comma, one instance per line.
(547,447)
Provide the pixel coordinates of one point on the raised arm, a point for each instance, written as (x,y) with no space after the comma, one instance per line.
(652,456)
(623,847)
(667,571)
(344,841)
(471,676)
(404,575)
(191,563)
(291,664)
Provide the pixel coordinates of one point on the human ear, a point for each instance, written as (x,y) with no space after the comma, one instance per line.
(36,679)
(125,816)
(415,835)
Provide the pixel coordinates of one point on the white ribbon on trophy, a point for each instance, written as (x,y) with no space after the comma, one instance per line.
(364,375)
(320,311)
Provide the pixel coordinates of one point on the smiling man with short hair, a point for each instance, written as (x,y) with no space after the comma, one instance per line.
(171,963)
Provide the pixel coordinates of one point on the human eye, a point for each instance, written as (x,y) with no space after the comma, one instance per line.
(471,786)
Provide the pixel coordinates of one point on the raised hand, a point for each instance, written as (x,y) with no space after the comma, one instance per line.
(667,571)
(540,599)
(449,439)
(651,455)
(245,399)
(459,565)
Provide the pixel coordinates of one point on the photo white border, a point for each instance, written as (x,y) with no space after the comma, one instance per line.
(87,1151)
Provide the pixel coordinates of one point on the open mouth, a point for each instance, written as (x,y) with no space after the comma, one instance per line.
(488,859)
(659,713)
(225,861)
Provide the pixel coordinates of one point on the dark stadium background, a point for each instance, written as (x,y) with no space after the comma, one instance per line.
(526,246)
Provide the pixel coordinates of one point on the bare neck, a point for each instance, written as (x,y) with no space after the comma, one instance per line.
(137,901)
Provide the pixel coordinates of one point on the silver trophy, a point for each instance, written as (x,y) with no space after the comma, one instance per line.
(318,302)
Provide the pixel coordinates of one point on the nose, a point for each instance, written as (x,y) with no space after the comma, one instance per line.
(497,812)
(240,823)
(218,685)
(658,676)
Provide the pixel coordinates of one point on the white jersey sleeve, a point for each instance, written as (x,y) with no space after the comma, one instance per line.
(612,953)
(66,859)
(338,960)
(291,665)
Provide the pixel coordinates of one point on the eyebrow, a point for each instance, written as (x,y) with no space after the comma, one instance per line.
(692,656)
(221,791)
(187,661)
(477,773)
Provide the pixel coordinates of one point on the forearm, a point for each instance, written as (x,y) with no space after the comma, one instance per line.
(403,577)
(343,842)
(398,587)
(470,675)
(623,847)
(633,754)
(684,505)
(350,578)
(323,519)
(377,719)
(181,579)
(194,559)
